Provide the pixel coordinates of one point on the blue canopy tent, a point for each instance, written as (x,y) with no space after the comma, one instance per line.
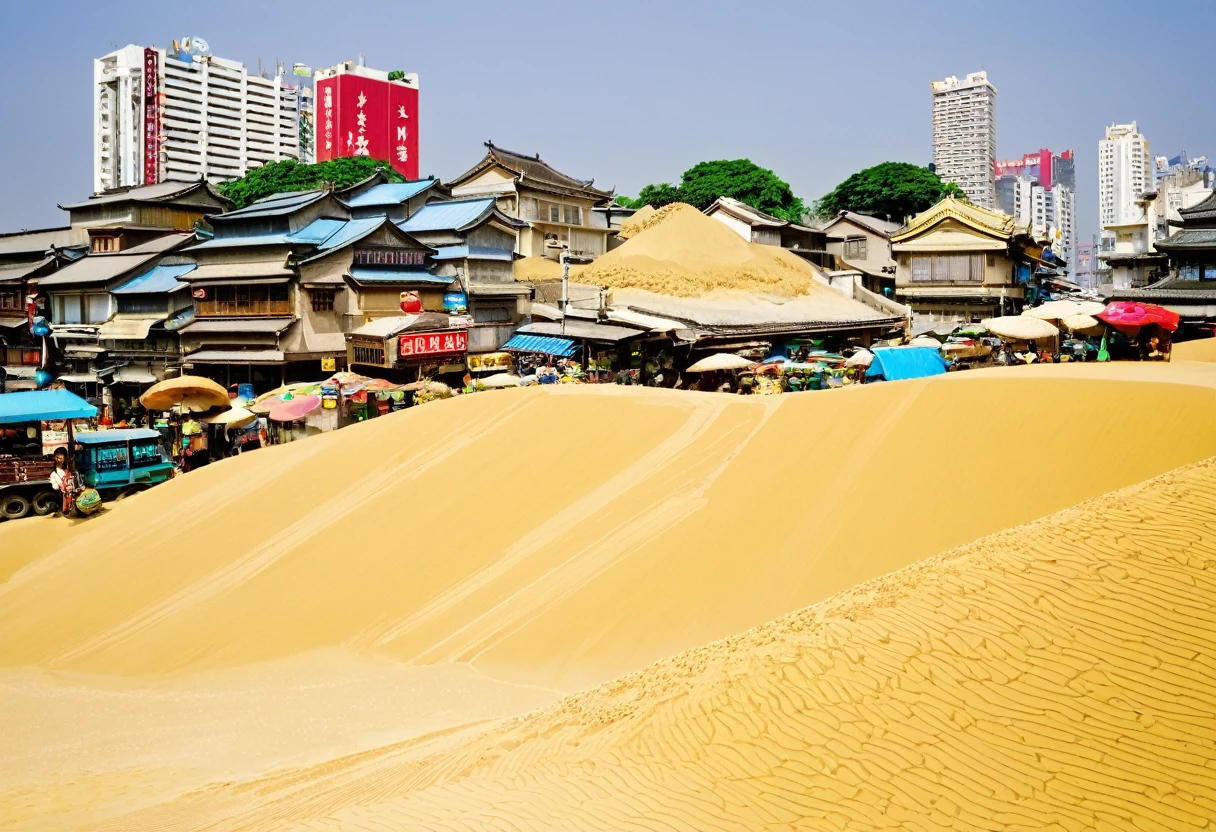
(43,405)
(899,363)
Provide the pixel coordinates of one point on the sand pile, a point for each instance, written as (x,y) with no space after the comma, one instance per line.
(635,224)
(447,567)
(684,253)
(1202,349)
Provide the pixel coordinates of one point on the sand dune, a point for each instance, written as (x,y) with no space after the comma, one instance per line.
(473,559)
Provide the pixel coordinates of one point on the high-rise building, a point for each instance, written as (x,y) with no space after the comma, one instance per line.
(178,115)
(964,135)
(1039,190)
(1125,171)
(366,112)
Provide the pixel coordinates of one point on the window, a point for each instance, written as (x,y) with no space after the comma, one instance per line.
(10,301)
(104,244)
(145,452)
(573,214)
(245,301)
(555,214)
(948,268)
(491,314)
(67,309)
(855,249)
(322,300)
(97,308)
(369,353)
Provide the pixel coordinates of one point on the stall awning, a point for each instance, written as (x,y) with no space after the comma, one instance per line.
(581,329)
(539,343)
(13,322)
(235,357)
(899,363)
(78,378)
(236,325)
(20,371)
(134,375)
(128,327)
(40,405)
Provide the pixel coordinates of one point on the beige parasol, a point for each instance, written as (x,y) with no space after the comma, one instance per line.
(236,417)
(925,341)
(499,381)
(721,361)
(1021,328)
(1084,324)
(1058,310)
(192,393)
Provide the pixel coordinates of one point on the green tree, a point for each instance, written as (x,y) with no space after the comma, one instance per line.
(744,180)
(892,190)
(290,175)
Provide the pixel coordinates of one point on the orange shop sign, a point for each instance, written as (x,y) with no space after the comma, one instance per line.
(432,343)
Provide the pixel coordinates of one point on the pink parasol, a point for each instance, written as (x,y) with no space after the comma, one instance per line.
(1128,316)
(294,409)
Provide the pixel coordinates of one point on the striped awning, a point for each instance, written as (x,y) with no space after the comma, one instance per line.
(543,344)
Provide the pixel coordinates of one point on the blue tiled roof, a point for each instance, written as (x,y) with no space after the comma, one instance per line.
(474,253)
(275,205)
(446,216)
(548,345)
(316,232)
(390,276)
(392,193)
(351,231)
(246,240)
(160,279)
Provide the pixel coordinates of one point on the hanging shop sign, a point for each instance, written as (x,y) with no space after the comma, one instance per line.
(432,343)
(490,361)
(54,436)
(199,294)
(329,365)
(455,302)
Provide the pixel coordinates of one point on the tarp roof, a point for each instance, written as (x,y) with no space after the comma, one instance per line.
(581,329)
(98,437)
(542,344)
(899,363)
(40,405)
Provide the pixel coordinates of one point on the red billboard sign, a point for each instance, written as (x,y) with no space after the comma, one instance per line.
(360,116)
(426,344)
(151,117)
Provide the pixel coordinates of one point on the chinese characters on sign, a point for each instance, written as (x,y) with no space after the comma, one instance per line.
(432,343)
(151,117)
(360,142)
(329,118)
(388,257)
(403,151)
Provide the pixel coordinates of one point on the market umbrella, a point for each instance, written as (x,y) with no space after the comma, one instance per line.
(1084,324)
(926,341)
(1021,328)
(190,392)
(500,380)
(295,408)
(1058,310)
(860,358)
(1125,315)
(426,385)
(721,361)
(236,417)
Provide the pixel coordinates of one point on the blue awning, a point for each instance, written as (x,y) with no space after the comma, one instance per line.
(363,274)
(899,363)
(41,405)
(543,344)
(102,437)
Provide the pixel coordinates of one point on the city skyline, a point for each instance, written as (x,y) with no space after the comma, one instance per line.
(651,91)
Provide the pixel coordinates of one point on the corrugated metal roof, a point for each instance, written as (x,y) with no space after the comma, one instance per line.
(539,343)
(474,253)
(128,327)
(228,271)
(96,268)
(581,329)
(275,205)
(351,231)
(159,280)
(145,193)
(317,231)
(235,357)
(386,327)
(240,241)
(41,240)
(260,325)
(20,271)
(445,216)
(362,274)
(392,193)
(35,405)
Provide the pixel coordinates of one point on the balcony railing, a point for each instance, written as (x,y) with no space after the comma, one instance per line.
(243,308)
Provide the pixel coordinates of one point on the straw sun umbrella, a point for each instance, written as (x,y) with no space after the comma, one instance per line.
(192,393)
(721,361)
(1021,328)
(1058,310)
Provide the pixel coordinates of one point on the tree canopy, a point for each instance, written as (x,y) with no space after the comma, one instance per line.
(290,175)
(892,190)
(740,179)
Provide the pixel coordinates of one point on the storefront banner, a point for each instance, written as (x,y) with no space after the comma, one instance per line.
(455,302)
(490,361)
(432,343)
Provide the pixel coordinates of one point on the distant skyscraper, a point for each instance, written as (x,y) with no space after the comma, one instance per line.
(964,135)
(1039,190)
(1125,170)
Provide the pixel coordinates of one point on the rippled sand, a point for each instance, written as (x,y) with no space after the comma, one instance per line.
(308,632)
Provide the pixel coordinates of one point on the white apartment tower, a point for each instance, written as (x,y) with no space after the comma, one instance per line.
(1046,212)
(1125,171)
(159,117)
(964,135)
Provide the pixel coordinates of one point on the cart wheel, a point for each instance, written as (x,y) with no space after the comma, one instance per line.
(128,491)
(14,506)
(47,502)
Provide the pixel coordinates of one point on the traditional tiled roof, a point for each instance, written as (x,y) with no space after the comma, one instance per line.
(881,227)
(1190,238)
(1202,214)
(533,171)
(275,205)
(161,192)
(993,223)
(752,216)
(391,193)
(1170,289)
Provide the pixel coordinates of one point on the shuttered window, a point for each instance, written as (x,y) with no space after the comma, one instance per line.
(948,268)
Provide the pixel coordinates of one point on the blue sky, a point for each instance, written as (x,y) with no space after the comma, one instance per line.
(634,92)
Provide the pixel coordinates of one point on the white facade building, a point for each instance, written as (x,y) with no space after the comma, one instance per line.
(157,118)
(1125,171)
(964,135)
(1047,213)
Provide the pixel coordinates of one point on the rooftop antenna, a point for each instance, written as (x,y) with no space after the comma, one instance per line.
(361,61)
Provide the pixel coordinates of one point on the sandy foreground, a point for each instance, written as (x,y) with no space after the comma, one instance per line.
(329,634)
